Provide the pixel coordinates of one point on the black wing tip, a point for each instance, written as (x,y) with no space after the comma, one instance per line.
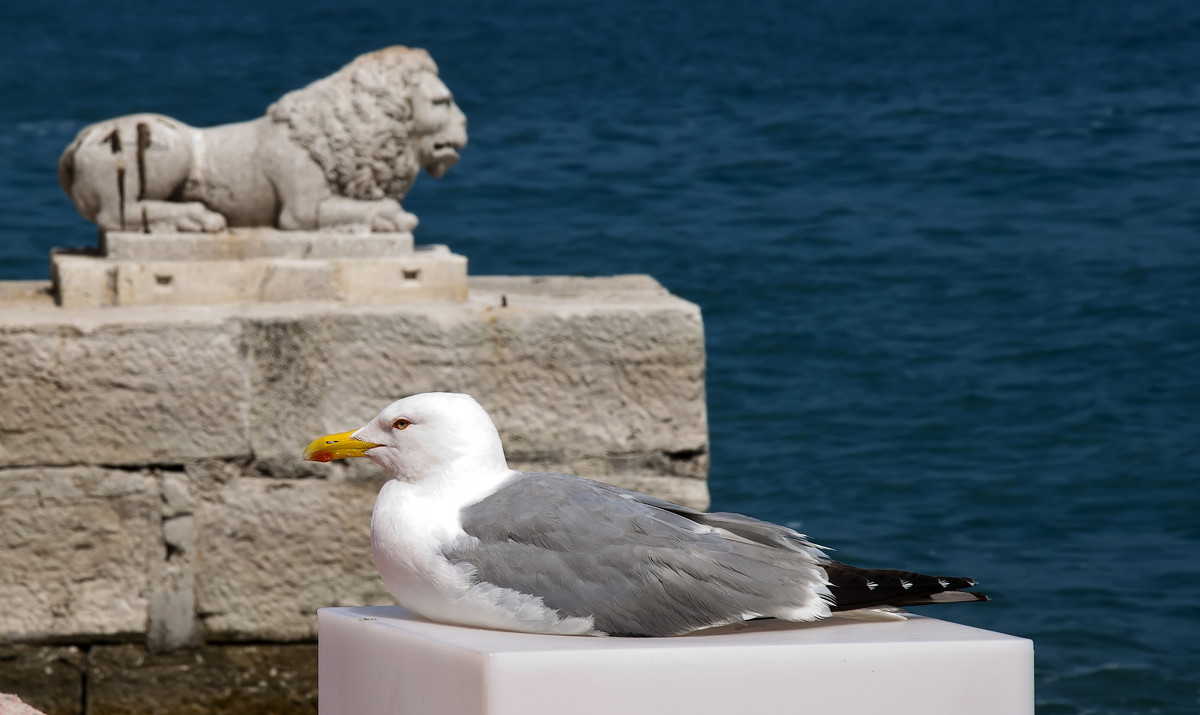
(855,588)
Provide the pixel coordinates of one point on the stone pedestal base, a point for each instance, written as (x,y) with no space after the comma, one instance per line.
(384,660)
(151,480)
(256,266)
(156,451)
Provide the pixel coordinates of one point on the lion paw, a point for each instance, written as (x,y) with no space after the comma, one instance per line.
(200,220)
(170,216)
(393,220)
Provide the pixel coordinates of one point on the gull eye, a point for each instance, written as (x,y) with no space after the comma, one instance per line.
(400,423)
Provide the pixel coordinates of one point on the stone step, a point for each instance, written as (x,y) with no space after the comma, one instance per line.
(241,243)
(93,281)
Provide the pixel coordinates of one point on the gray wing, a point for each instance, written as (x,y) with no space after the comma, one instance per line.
(637,565)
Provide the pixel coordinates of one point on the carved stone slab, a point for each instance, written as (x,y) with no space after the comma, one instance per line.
(241,243)
(256,266)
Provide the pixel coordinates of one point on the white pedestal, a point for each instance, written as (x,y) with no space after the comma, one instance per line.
(385,660)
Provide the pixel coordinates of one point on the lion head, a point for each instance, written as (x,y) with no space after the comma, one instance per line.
(374,124)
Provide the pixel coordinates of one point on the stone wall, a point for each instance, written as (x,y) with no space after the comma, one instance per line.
(162,546)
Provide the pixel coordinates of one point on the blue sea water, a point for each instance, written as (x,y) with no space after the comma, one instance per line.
(948,254)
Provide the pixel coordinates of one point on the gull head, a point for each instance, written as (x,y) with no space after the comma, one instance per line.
(431,436)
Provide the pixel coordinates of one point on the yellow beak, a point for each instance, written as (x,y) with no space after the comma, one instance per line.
(336,446)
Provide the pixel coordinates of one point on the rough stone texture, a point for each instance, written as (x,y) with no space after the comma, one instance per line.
(151,486)
(255,679)
(172,619)
(544,359)
(431,273)
(18,293)
(339,153)
(82,279)
(603,377)
(288,360)
(273,551)
(192,282)
(49,678)
(139,387)
(77,548)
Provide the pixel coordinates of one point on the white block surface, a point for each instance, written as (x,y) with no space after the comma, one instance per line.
(385,660)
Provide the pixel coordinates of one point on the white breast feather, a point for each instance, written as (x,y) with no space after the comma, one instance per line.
(408,532)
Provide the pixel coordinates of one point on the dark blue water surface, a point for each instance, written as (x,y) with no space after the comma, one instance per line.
(948,254)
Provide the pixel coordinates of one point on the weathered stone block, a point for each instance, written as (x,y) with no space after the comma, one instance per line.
(76,549)
(270,552)
(232,680)
(82,281)
(85,281)
(141,387)
(214,282)
(289,366)
(25,294)
(177,499)
(242,243)
(431,273)
(49,678)
(172,622)
(601,377)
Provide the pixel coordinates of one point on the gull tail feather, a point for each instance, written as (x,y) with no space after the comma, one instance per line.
(854,588)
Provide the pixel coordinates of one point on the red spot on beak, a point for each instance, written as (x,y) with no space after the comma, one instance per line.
(322,457)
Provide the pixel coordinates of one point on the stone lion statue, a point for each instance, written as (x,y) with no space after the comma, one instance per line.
(338,154)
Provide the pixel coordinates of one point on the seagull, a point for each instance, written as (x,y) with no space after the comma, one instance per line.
(460,538)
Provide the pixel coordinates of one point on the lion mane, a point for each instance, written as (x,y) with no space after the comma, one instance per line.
(338,120)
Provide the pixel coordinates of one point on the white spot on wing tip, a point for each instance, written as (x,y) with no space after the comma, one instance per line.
(871,585)
(905,584)
(943,582)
